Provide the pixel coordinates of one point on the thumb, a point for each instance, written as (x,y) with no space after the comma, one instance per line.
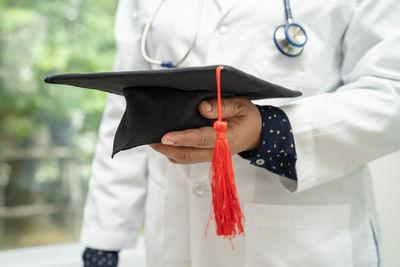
(230,107)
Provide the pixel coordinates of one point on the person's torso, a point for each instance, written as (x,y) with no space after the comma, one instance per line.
(329,225)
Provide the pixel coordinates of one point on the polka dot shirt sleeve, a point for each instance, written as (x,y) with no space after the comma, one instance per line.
(277,151)
(100,258)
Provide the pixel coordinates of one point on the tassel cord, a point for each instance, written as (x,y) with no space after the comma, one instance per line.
(226,206)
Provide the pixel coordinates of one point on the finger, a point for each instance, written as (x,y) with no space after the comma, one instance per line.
(230,107)
(184,155)
(203,137)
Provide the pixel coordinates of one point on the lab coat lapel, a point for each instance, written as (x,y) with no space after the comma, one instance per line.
(226,6)
(222,3)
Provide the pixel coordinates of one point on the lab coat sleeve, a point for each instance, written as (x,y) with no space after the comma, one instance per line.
(336,133)
(114,208)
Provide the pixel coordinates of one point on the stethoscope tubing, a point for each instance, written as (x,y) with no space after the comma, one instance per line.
(169,63)
(288,10)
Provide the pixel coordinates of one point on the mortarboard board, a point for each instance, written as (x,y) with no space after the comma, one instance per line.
(160,101)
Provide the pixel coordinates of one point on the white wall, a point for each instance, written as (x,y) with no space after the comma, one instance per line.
(386,179)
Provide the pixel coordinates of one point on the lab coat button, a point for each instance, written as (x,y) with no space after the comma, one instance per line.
(260,162)
(199,189)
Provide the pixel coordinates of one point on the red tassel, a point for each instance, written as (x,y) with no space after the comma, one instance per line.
(227,212)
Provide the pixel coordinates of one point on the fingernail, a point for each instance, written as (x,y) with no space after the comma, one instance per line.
(167,141)
(207,106)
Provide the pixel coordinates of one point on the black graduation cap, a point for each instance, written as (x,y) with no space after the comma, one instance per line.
(160,101)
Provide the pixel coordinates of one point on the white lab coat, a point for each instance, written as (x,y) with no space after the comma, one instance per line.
(349,114)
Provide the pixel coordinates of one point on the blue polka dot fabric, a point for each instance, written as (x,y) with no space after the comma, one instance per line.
(100,258)
(277,151)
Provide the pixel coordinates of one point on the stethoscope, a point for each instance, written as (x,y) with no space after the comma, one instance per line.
(169,63)
(289,38)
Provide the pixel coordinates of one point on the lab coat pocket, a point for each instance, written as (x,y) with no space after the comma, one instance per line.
(286,75)
(286,236)
(155,219)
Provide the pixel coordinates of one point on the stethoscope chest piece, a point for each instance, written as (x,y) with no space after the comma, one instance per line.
(290,39)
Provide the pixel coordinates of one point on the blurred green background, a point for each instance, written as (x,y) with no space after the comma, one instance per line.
(48,133)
